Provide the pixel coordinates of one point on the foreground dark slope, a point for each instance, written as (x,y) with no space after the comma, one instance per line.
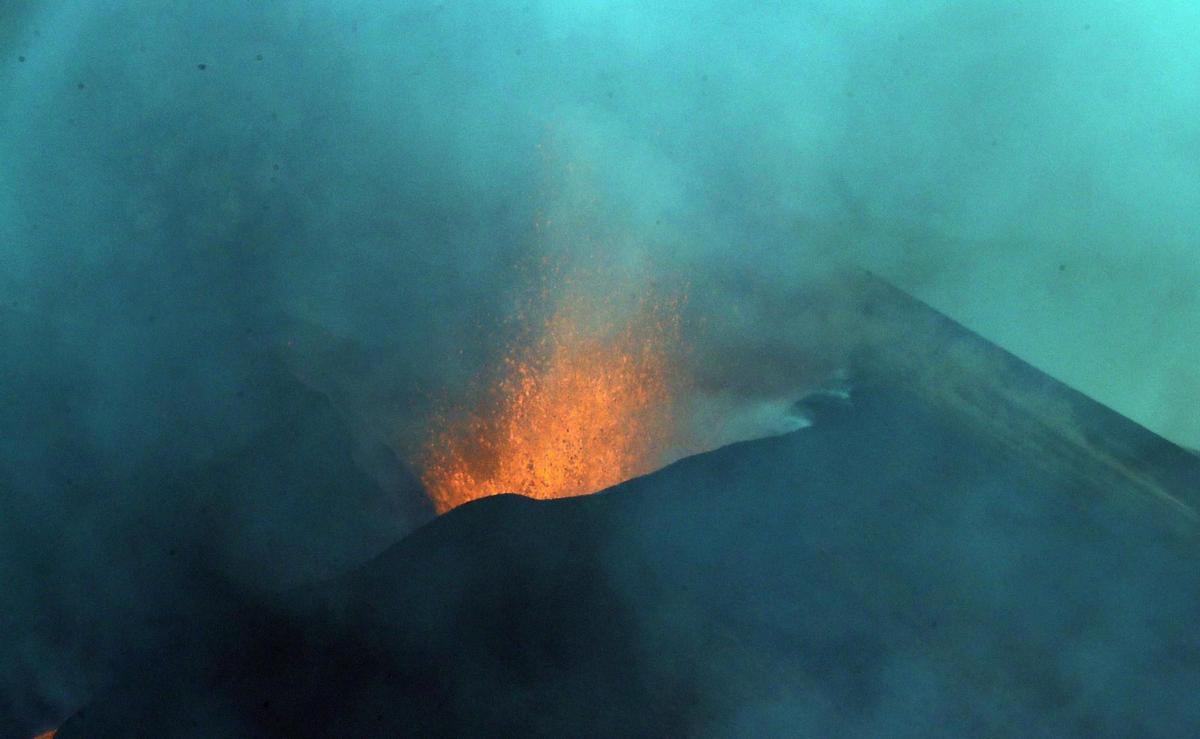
(967,549)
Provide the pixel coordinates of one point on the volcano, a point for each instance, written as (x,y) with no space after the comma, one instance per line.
(964,547)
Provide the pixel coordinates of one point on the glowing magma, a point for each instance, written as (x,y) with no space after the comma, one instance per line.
(584,404)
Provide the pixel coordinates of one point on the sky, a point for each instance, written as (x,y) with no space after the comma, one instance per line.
(195,193)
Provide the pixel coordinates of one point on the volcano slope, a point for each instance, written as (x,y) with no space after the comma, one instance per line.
(964,549)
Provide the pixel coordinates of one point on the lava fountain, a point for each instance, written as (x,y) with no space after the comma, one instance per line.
(585,401)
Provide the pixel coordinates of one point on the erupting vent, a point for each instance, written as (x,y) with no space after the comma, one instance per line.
(585,403)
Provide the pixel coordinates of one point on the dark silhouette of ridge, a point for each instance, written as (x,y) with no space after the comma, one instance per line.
(964,548)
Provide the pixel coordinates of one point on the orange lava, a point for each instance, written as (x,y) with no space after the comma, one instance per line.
(583,405)
(48,735)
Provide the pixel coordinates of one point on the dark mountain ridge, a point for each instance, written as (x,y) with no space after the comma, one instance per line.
(965,548)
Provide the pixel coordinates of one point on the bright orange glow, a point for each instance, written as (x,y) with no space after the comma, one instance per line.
(48,735)
(585,404)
